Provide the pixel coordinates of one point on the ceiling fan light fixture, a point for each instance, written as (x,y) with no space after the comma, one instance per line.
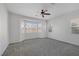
(44,12)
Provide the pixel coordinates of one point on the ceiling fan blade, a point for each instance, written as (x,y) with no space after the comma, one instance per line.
(47,14)
(44,12)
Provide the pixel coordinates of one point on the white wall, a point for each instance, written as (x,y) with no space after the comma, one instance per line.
(14,28)
(3,29)
(61,28)
(15,31)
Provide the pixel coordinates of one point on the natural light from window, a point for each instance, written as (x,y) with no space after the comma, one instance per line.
(31,26)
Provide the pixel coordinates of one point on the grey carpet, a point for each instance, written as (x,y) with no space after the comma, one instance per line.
(41,47)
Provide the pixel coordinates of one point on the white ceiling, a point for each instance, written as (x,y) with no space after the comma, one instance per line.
(34,9)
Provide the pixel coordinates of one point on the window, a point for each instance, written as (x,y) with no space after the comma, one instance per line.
(32,26)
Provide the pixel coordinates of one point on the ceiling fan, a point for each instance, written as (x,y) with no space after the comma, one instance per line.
(44,12)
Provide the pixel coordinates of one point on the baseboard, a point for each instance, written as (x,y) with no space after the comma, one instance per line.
(65,42)
(26,39)
(5,49)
